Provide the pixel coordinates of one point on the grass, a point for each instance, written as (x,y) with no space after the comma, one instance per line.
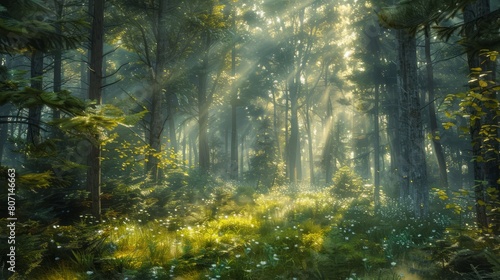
(286,233)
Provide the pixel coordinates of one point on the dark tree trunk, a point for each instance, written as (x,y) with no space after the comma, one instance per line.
(156,121)
(293,142)
(412,137)
(436,142)
(56,114)
(95,87)
(35,113)
(203,106)
(233,168)
(310,147)
(486,171)
(376,151)
(172,109)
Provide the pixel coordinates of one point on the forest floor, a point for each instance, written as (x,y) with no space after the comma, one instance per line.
(235,232)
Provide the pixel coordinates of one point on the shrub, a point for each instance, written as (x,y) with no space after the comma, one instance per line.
(346,183)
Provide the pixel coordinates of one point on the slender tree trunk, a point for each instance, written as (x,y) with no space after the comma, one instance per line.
(287,140)
(95,87)
(56,114)
(438,149)
(294,134)
(310,147)
(203,105)
(172,109)
(234,132)
(404,125)
(328,149)
(376,151)
(35,113)
(156,121)
(275,122)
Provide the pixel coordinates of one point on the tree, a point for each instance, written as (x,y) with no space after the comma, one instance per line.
(157,123)
(95,87)
(412,164)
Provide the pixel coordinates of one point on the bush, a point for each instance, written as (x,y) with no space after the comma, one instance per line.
(346,183)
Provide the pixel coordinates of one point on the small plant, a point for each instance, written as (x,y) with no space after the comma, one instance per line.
(346,183)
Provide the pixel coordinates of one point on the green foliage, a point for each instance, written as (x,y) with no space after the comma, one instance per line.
(475,103)
(264,160)
(346,183)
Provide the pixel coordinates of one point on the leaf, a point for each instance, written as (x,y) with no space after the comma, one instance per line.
(448,125)
(36,180)
(483,84)
(481,202)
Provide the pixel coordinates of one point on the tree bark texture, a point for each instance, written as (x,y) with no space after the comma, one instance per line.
(156,120)
(485,170)
(95,88)
(203,106)
(412,136)
(433,124)
(35,112)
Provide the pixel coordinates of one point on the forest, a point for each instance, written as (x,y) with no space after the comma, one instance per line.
(249,139)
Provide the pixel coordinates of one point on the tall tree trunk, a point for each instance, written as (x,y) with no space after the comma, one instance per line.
(293,142)
(275,122)
(35,113)
(413,148)
(203,106)
(485,171)
(436,142)
(172,109)
(404,123)
(328,149)
(95,87)
(377,77)
(310,147)
(56,114)
(376,151)
(156,120)
(233,169)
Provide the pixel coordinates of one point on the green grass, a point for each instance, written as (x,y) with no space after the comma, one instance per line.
(287,233)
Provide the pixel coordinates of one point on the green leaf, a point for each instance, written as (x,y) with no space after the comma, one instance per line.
(448,125)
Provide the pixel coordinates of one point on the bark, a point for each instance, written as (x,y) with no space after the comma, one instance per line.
(485,171)
(35,113)
(56,114)
(293,143)
(310,147)
(436,143)
(156,120)
(233,169)
(412,131)
(203,105)
(376,153)
(275,122)
(95,87)
(328,150)
(403,125)
(172,110)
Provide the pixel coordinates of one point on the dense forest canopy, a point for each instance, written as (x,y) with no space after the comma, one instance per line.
(226,126)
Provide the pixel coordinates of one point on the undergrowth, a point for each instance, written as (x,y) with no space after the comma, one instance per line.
(231,231)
